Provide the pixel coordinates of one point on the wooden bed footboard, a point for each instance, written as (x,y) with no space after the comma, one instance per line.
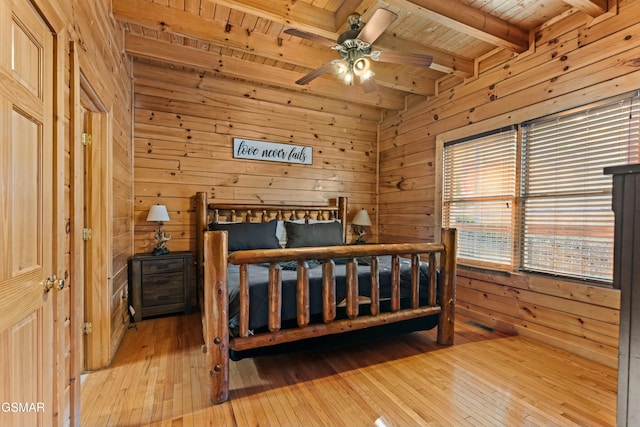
(216,260)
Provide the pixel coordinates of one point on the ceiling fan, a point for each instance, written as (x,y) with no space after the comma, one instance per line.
(355,47)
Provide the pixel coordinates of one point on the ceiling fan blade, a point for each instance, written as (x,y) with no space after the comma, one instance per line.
(314,38)
(315,73)
(415,59)
(379,22)
(368,84)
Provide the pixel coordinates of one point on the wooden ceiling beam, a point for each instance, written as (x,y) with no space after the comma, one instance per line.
(443,61)
(290,13)
(264,95)
(593,8)
(159,50)
(352,6)
(176,21)
(474,22)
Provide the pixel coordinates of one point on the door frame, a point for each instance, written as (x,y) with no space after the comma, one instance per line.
(76,206)
(94,295)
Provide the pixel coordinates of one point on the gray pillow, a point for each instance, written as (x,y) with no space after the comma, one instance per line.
(250,235)
(317,234)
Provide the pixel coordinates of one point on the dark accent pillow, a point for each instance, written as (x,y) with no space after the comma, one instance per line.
(249,235)
(317,234)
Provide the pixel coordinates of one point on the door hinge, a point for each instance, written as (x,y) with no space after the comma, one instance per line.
(86,138)
(86,234)
(87,328)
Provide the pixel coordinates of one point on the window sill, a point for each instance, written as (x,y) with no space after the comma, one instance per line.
(518,278)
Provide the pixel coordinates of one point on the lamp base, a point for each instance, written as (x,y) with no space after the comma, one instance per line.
(359,229)
(160,251)
(161,241)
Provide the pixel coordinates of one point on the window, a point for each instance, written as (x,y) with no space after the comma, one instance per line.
(478,194)
(562,222)
(567,222)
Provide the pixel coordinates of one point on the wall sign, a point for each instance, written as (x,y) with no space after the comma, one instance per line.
(272,151)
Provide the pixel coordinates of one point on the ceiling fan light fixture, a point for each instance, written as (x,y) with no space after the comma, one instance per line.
(367,75)
(355,48)
(361,66)
(343,70)
(348,78)
(340,68)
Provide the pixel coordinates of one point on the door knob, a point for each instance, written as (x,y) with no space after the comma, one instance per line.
(53,282)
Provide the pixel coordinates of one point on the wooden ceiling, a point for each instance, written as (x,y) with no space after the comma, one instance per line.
(245,39)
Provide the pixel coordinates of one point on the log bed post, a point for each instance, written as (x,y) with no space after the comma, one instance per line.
(352,288)
(342,213)
(216,333)
(432,279)
(302,294)
(275,297)
(202,222)
(243,329)
(201,226)
(375,286)
(415,280)
(447,290)
(395,283)
(328,291)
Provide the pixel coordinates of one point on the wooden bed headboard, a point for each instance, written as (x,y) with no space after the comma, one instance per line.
(213,212)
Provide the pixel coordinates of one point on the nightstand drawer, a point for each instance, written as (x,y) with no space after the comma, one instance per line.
(162,289)
(161,266)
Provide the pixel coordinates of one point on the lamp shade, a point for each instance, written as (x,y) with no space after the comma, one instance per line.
(158,213)
(361,218)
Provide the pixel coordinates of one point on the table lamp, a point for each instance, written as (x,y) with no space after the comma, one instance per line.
(359,222)
(159,214)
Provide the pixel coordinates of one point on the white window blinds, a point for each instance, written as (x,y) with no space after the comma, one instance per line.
(479,187)
(567,221)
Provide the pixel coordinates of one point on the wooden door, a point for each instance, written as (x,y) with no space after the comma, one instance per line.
(27,355)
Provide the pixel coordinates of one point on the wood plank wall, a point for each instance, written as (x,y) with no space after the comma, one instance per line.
(571,64)
(185,123)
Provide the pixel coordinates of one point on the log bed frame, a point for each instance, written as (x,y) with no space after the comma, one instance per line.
(212,260)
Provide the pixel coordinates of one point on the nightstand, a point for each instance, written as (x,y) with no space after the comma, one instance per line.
(159,284)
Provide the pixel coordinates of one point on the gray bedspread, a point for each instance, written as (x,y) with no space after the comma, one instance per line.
(259,280)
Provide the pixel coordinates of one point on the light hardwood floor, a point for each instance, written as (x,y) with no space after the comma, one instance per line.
(486,379)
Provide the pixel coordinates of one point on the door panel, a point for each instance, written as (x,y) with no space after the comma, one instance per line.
(26,148)
(27,359)
(26,60)
(25,341)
